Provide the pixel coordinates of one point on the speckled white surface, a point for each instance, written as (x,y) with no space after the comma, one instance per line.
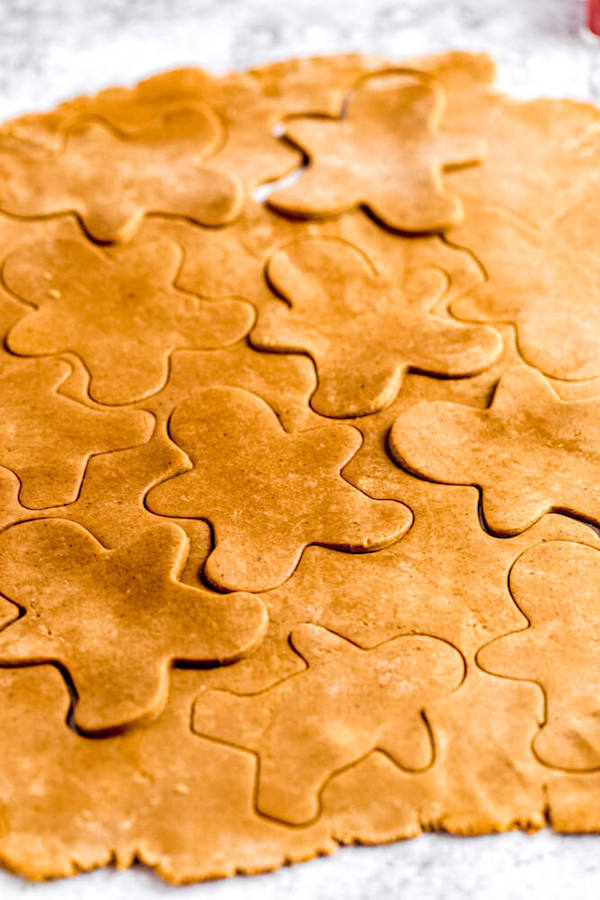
(53,49)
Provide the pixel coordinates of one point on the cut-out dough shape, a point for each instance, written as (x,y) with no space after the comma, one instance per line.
(556,587)
(348,702)
(268,494)
(47,438)
(119,313)
(362,330)
(546,281)
(529,452)
(112,180)
(385,153)
(116,619)
(110,501)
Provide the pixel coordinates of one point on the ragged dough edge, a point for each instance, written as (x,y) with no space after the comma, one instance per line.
(63,861)
(479,69)
(43,862)
(364,63)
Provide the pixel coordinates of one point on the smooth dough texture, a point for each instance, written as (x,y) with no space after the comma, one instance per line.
(299,507)
(529,453)
(394,116)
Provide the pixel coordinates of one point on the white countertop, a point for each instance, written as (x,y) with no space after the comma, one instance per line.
(53,49)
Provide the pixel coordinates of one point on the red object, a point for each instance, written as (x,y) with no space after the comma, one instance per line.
(593,17)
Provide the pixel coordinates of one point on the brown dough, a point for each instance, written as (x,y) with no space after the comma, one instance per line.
(284,381)
(393,116)
(555,586)
(354,707)
(351,702)
(221,263)
(141,794)
(112,180)
(542,155)
(236,443)
(545,280)
(529,453)
(247,104)
(485,778)
(115,619)
(48,438)
(372,597)
(110,503)
(121,314)
(362,330)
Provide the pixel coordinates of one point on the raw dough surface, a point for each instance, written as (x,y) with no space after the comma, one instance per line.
(299,516)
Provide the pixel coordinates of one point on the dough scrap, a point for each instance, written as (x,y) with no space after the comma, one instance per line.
(284,381)
(47,438)
(542,155)
(485,778)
